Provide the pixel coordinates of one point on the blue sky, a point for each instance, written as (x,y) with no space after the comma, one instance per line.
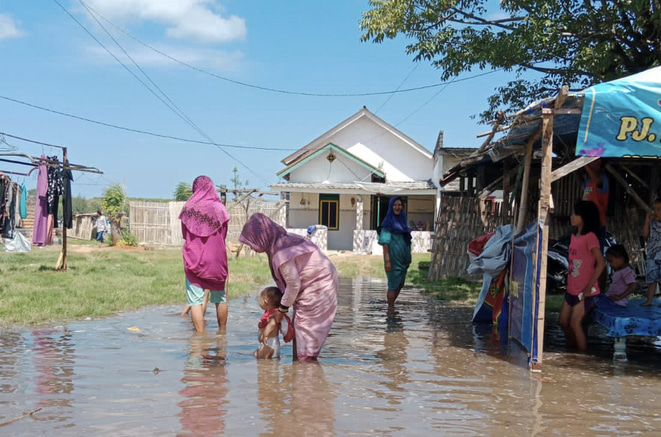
(298,45)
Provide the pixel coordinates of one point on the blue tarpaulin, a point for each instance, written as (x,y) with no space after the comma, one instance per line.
(522,288)
(633,319)
(622,118)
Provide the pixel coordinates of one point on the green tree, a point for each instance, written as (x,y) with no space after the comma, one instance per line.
(114,206)
(237,184)
(568,42)
(183,192)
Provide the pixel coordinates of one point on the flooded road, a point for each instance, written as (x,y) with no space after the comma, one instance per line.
(425,371)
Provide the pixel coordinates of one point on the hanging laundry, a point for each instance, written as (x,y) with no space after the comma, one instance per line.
(4,182)
(17,207)
(10,223)
(67,204)
(55,185)
(24,202)
(40,234)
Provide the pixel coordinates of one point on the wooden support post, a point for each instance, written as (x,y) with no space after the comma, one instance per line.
(62,263)
(523,201)
(505,211)
(546,178)
(542,216)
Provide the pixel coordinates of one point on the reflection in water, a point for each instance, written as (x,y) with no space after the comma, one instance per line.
(421,371)
(295,400)
(393,359)
(203,407)
(11,345)
(54,355)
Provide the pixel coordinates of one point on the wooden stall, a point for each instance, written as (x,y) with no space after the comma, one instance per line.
(535,167)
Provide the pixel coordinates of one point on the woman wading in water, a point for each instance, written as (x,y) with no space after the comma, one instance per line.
(395,237)
(204,223)
(306,277)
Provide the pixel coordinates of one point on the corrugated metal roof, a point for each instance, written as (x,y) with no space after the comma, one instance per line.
(415,187)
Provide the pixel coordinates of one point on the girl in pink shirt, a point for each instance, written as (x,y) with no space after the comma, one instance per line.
(586,264)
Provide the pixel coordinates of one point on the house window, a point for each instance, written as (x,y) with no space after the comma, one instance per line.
(329,211)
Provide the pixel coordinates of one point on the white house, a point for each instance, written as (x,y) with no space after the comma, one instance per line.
(344,179)
(445,158)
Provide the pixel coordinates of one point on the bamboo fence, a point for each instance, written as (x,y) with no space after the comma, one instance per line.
(157,223)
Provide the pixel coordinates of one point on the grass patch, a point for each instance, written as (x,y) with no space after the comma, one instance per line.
(449,290)
(103,281)
(454,290)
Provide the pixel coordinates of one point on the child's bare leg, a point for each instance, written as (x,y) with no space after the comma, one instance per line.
(198,318)
(186,311)
(577,315)
(565,317)
(264,352)
(206,302)
(222,312)
(651,291)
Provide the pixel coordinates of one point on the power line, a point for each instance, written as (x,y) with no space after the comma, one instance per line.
(401,84)
(167,101)
(141,131)
(419,108)
(172,105)
(282,90)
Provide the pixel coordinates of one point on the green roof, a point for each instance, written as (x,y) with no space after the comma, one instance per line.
(330,147)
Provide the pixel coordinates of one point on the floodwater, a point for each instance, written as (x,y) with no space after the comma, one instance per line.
(425,371)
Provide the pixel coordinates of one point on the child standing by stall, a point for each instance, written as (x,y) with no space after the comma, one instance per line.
(586,264)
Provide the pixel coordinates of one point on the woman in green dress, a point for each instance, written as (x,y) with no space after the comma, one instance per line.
(395,237)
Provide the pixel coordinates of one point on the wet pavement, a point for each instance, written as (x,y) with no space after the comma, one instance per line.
(424,371)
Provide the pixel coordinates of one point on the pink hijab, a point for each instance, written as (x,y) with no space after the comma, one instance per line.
(204,214)
(204,222)
(263,235)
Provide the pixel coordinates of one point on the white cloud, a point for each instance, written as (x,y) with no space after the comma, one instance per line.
(199,57)
(199,20)
(8,28)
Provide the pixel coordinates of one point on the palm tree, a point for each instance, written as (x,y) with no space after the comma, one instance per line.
(183,192)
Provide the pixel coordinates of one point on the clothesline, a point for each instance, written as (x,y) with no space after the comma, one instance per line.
(31,141)
(15,173)
(34,162)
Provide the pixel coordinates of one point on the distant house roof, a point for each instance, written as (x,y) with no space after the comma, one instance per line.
(330,148)
(458,151)
(322,140)
(388,188)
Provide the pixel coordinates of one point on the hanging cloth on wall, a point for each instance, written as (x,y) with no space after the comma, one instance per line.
(24,202)
(67,205)
(40,234)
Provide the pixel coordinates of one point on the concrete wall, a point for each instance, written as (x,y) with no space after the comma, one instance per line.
(367,242)
(302,216)
(320,237)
